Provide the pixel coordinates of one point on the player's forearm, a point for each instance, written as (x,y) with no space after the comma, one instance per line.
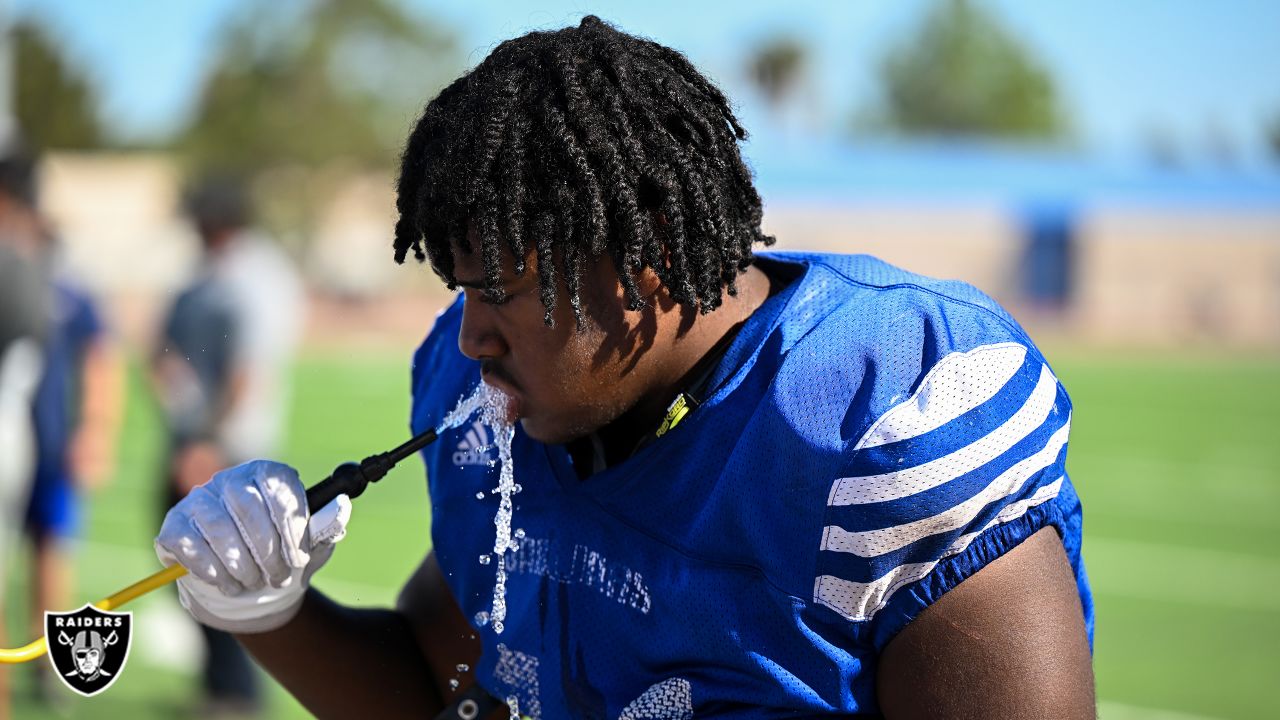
(103,399)
(235,393)
(102,404)
(344,662)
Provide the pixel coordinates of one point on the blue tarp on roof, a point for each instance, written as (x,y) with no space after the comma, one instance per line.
(1021,177)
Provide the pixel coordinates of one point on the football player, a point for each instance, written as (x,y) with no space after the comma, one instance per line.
(753,484)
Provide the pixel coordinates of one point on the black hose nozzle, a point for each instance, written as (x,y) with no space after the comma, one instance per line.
(352,478)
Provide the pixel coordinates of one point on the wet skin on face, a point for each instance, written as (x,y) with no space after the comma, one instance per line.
(614,375)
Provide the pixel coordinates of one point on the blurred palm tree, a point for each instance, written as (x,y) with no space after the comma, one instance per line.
(776,67)
(964,74)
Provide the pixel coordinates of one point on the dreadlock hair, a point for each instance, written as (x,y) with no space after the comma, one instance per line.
(564,144)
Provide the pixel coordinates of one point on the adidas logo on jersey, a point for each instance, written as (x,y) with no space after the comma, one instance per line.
(474,447)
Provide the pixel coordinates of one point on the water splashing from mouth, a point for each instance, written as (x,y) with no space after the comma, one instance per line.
(492,403)
(493,406)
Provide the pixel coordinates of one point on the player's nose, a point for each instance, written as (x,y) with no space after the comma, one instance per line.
(479,337)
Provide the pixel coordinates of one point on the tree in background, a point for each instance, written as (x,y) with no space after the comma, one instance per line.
(300,99)
(963,73)
(54,102)
(344,80)
(776,66)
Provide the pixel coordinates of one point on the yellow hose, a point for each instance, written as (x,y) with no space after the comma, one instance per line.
(33,650)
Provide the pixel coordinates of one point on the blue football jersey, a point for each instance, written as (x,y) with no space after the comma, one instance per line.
(870,439)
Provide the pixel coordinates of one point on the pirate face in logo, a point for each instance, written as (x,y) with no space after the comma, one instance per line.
(89,650)
(88,647)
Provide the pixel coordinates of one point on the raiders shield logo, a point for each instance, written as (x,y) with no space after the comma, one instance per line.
(88,647)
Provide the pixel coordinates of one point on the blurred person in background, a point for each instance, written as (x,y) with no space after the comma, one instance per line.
(22,319)
(221,375)
(78,406)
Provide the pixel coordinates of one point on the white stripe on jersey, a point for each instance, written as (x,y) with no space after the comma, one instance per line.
(918,478)
(870,543)
(858,601)
(959,383)
(1013,511)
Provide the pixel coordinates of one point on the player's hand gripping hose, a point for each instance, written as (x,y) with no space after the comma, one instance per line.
(348,479)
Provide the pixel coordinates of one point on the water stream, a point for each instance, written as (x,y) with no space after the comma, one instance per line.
(492,404)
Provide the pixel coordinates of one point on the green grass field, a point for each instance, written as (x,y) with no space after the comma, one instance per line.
(1177,462)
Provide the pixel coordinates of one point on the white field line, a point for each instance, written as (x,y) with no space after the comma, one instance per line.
(115,566)
(1163,572)
(1220,469)
(369,506)
(1228,478)
(1108,710)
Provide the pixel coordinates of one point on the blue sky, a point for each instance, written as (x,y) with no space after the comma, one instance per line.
(1191,69)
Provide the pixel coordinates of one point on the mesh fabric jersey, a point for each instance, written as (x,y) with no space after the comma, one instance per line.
(870,439)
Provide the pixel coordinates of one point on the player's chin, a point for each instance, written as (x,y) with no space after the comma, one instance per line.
(547,430)
(538,430)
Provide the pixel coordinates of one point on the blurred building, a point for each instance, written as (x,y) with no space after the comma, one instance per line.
(1103,254)
(119,217)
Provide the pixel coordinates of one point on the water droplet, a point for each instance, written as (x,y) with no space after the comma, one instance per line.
(462,667)
(453,683)
(484,559)
(480,495)
(519,532)
(514,706)
(482,618)
(498,627)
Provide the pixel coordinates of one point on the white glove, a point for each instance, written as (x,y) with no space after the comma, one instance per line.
(249,550)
